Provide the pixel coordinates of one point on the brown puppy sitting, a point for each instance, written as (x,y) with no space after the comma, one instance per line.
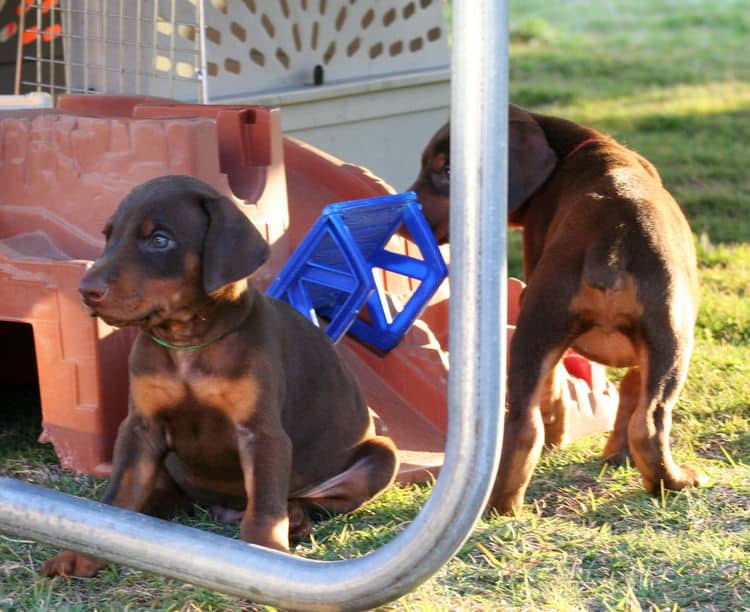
(236,400)
(611,272)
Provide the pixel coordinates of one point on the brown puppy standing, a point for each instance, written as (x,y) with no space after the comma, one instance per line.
(611,272)
(236,400)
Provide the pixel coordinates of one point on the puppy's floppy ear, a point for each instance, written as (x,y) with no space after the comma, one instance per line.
(233,248)
(530,158)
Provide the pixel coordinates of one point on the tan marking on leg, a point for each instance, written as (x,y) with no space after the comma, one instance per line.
(553,406)
(523,440)
(616,449)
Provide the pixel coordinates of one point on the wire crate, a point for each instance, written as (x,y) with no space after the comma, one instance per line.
(149,47)
(210,50)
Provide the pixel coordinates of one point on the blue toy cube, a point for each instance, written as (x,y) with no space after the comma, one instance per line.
(331,273)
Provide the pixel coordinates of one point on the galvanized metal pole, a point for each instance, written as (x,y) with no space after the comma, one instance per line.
(202,57)
(476,397)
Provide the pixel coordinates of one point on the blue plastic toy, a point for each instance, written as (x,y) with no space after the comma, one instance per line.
(331,273)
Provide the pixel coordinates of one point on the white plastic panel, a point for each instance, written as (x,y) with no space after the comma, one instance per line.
(262,46)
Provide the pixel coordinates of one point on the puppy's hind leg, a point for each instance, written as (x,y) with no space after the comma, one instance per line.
(665,369)
(616,450)
(370,472)
(545,328)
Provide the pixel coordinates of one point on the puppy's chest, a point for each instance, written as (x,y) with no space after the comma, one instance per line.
(188,384)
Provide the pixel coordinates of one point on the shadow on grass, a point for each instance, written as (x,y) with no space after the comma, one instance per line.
(741,449)
(725,447)
(21,424)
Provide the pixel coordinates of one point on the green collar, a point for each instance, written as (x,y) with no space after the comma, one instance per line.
(191,347)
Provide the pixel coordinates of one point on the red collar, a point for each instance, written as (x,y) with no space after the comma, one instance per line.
(580,146)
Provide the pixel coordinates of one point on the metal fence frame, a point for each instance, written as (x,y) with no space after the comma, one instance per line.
(476,396)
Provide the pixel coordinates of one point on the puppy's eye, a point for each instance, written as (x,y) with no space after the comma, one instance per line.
(441,179)
(159,241)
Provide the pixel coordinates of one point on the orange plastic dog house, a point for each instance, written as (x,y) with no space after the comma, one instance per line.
(63,173)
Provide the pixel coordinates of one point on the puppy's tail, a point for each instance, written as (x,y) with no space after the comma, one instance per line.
(605,262)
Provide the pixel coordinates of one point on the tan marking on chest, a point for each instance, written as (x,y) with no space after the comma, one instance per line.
(235,397)
(152,393)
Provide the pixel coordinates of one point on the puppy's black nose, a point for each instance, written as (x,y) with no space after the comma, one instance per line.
(92,292)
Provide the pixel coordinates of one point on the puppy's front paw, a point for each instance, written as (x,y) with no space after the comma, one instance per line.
(70,563)
(300,524)
(268,532)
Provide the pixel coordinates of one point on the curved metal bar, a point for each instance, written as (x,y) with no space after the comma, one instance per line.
(476,396)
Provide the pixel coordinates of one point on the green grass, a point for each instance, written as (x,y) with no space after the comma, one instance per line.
(671,79)
(667,78)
